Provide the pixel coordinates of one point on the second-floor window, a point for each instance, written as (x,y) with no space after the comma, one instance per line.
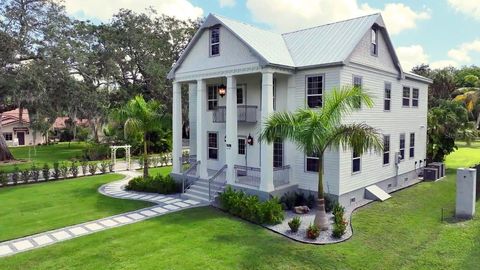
(415,97)
(402,146)
(240,97)
(212,97)
(314,91)
(215,41)
(406,97)
(386,149)
(278,153)
(311,162)
(357,83)
(374,42)
(412,145)
(387,99)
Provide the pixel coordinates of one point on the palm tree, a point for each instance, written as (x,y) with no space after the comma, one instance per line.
(315,131)
(140,118)
(470,96)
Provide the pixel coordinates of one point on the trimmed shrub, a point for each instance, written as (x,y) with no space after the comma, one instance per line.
(294,224)
(140,162)
(74,169)
(291,199)
(64,170)
(46,172)
(157,184)
(3,178)
(15,175)
(96,151)
(339,228)
(110,166)
(313,232)
(35,172)
(92,168)
(84,166)
(56,170)
(103,167)
(251,208)
(25,175)
(338,212)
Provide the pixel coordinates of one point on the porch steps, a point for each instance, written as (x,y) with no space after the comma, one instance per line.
(199,190)
(374,192)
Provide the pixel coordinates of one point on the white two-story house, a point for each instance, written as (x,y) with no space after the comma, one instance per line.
(237,75)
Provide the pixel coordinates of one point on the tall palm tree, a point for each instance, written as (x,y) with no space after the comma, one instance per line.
(141,117)
(318,130)
(470,96)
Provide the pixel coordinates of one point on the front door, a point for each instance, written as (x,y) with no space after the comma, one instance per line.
(21,138)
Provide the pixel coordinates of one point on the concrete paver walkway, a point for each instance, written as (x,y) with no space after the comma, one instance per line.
(164,204)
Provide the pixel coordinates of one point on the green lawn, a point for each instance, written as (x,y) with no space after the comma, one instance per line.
(404,232)
(160,170)
(43,154)
(35,208)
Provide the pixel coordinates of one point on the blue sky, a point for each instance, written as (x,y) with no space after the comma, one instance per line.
(438,32)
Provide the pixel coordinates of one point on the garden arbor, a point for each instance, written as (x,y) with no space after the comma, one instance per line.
(114,149)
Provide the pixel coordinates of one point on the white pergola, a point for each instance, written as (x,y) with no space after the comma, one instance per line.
(114,149)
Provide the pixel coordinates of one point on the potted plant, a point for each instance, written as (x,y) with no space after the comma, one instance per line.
(294,224)
(313,232)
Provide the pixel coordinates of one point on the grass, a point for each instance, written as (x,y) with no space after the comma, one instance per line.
(35,208)
(404,232)
(43,154)
(160,170)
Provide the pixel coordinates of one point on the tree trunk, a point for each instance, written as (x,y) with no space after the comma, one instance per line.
(145,157)
(321,220)
(5,154)
(478,121)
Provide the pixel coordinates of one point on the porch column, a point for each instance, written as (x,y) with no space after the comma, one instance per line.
(201,132)
(192,110)
(231,150)
(266,170)
(177,127)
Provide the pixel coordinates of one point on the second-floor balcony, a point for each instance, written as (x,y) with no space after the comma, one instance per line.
(245,114)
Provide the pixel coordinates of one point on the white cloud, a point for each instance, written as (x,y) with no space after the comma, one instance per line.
(103,10)
(288,15)
(468,7)
(443,64)
(411,56)
(462,53)
(227,3)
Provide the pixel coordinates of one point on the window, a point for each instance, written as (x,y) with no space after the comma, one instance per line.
(215,41)
(406,97)
(212,145)
(386,149)
(374,42)
(402,146)
(355,162)
(314,91)
(357,83)
(412,145)
(212,97)
(387,99)
(277,153)
(414,97)
(312,161)
(242,143)
(8,136)
(239,95)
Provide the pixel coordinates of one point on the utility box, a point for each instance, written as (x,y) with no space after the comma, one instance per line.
(466,186)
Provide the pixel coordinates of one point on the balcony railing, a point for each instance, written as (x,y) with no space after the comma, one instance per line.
(250,176)
(245,114)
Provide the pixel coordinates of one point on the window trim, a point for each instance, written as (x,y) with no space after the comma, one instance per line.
(374,42)
(410,146)
(400,145)
(210,44)
(283,153)
(360,160)
(385,96)
(215,90)
(305,160)
(361,86)
(306,89)
(389,149)
(244,138)
(409,96)
(417,99)
(244,91)
(209,147)
(5,137)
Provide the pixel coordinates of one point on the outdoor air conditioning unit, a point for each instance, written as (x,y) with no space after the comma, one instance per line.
(430,174)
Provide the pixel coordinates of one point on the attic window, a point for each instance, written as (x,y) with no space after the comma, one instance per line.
(215,41)
(374,44)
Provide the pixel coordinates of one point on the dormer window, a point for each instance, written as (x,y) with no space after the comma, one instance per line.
(215,41)
(374,44)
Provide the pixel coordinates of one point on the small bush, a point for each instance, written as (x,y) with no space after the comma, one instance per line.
(25,175)
(92,168)
(251,208)
(294,224)
(56,170)
(3,178)
(46,172)
(96,151)
(141,162)
(329,203)
(15,175)
(74,169)
(158,184)
(110,166)
(338,212)
(313,232)
(64,170)
(339,228)
(35,172)
(288,200)
(84,166)
(312,201)
(103,167)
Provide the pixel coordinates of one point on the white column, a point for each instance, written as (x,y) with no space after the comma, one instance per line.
(231,150)
(201,131)
(177,127)
(266,170)
(192,112)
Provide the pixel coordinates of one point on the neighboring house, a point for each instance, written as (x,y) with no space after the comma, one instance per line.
(17,131)
(266,72)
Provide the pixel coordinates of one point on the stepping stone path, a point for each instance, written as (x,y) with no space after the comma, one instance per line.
(164,205)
